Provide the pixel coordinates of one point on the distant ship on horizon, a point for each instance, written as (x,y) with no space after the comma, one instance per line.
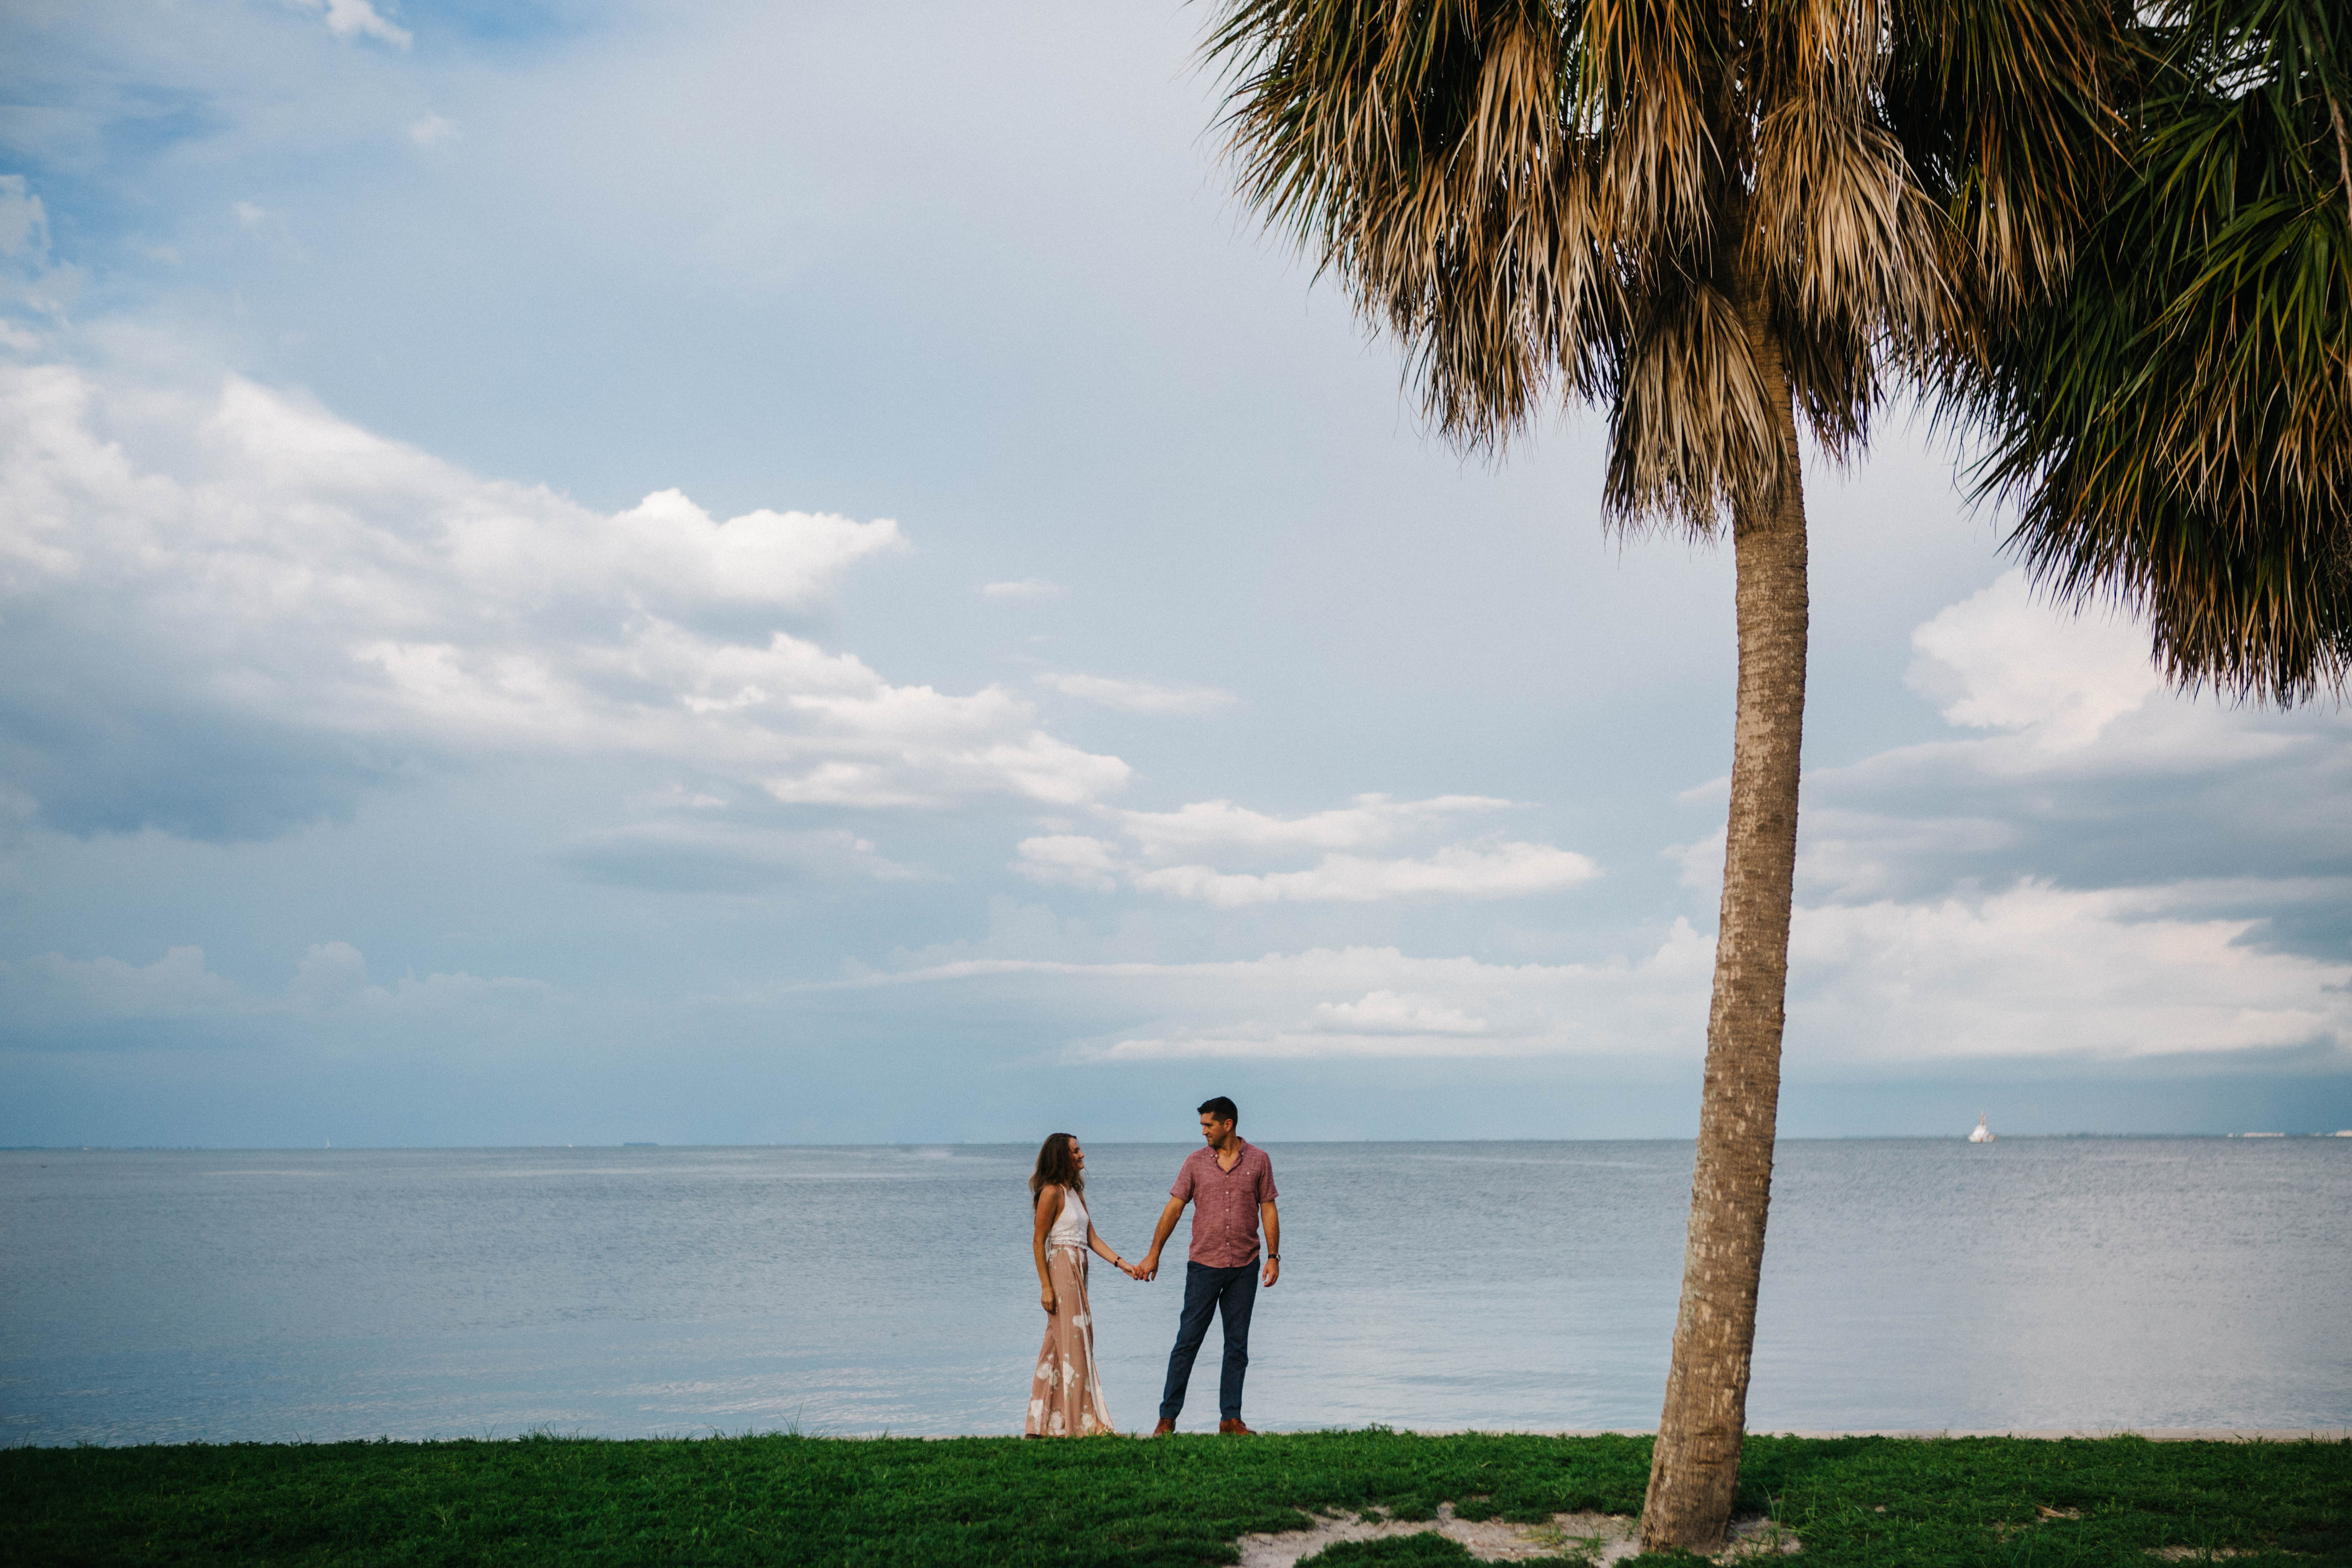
(1983,1134)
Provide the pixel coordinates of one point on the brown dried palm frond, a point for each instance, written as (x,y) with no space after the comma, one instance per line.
(1692,435)
(1627,201)
(1427,152)
(1838,230)
(1653,91)
(1834,380)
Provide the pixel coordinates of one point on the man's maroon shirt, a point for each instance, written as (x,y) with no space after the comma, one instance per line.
(1224,1203)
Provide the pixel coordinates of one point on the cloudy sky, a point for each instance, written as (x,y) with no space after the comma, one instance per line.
(582,571)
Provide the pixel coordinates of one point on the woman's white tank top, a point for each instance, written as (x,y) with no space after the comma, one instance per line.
(1069,1227)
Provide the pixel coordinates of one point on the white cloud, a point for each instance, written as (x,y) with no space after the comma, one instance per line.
(1253,1042)
(1933,947)
(1998,660)
(358,19)
(1490,869)
(330,973)
(666,547)
(2038,971)
(51,992)
(1386,1013)
(1505,870)
(2029,973)
(1457,1008)
(1359,1002)
(2087,882)
(260,557)
(1139,697)
(1700,863)
(1369,821)
(2092,773)
(1071,859)
(51,985)
(1847,855)
(431,130)
(683,854)
(1024,588)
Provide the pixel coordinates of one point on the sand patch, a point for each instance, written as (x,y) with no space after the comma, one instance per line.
(1598,1538)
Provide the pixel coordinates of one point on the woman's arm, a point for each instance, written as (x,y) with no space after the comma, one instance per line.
(1102,1249)
(1049,1206)
(1149,1266)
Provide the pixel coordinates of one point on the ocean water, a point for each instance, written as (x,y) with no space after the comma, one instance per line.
(282,1295)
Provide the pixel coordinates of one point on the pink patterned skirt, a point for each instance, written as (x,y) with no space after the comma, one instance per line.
(1066,1397)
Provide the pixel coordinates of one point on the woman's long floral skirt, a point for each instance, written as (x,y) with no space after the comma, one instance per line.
(1066,1397)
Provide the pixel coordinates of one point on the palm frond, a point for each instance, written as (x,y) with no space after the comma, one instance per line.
(2006,115)
(2178,427)
(1838,230)
(1654,88)
(1428,151)
(1692,435)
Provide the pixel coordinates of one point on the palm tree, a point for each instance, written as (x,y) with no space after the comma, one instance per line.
(2178,422)
(1716,219)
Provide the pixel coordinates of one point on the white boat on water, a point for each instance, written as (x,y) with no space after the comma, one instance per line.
(1983,1134)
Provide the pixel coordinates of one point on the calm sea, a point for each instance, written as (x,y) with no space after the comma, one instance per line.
(165,1297)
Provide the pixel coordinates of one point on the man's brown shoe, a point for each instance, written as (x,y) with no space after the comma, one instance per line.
(1166,1429)
(1232,1427)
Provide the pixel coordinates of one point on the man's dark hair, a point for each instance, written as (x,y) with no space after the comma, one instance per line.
(1224,1109)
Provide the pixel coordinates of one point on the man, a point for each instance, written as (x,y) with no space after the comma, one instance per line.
(1230,1185)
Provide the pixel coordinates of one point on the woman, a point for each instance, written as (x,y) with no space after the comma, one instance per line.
(1065,1397)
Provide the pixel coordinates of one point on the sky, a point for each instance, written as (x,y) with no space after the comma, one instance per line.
(747,572)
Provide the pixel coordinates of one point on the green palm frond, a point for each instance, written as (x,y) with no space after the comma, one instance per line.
(2178,424)
(2006,114)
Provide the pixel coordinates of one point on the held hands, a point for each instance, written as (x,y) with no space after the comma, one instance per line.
(1148,1270)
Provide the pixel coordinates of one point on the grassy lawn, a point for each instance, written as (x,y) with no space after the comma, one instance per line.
(904,1502)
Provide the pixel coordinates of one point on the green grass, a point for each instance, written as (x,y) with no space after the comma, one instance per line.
(907,1504)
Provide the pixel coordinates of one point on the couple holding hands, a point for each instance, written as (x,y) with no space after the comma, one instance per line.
(1230,1185)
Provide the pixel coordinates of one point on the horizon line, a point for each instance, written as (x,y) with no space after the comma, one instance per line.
(1138,1142)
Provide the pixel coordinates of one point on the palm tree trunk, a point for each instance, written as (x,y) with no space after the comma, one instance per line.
(1695,1468)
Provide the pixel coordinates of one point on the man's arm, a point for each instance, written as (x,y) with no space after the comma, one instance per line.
(1159,1233)
(1271,1217)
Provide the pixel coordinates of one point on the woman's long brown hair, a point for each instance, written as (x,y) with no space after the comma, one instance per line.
(1056,1168)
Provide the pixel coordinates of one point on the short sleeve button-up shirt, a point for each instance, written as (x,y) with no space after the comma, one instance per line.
(1224,1203)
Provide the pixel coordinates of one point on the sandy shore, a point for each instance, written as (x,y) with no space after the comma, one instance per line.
(1602,1538)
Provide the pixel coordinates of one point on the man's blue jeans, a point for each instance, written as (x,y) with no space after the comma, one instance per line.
(1231,1292)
